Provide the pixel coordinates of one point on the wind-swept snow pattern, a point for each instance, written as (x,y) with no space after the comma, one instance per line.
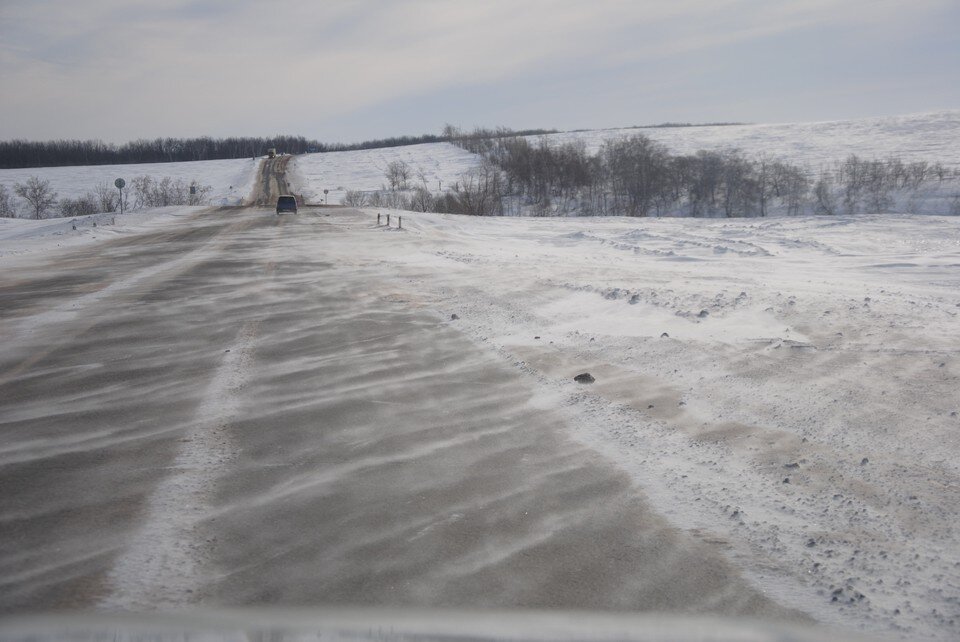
(164,563)
(786,390)
(266,426)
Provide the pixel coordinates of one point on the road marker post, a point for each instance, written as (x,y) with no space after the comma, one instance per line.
(399,222)
(388,220)
(378,219)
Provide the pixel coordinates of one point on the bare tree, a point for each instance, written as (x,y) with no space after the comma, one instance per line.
(824,202)
(80,206)
(355,198)
(398,173)
(421,200)
(940,171)
(739,184)
(38,194)
(792,186)
(764,182)
(107,197)
(480,191)
(7,209)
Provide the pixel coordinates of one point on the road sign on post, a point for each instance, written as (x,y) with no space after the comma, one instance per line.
(120,183)
(325,192)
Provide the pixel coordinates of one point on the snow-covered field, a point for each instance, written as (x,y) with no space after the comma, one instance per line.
(933,137)
(438,165)
(232,180)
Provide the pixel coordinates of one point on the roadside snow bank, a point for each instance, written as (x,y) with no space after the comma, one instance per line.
(22,237)
(231,180)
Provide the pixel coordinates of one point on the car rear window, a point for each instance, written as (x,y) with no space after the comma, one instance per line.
(286,200)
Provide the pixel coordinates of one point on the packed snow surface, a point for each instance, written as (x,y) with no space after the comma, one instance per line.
(24,237)
(788,390)
(783,390)
(231,180)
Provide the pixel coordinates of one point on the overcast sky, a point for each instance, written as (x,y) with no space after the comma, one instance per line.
(344,71)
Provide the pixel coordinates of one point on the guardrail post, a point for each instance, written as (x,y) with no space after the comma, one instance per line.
(388,220)
(378,219)
(399,222)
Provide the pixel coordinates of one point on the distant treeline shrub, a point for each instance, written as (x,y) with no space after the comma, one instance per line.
(22,153)
(80,206)
(150,192)
(636,176)
(54,153)
(481,140)
(40,200)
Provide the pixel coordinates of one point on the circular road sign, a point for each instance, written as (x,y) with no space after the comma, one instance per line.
(119,183)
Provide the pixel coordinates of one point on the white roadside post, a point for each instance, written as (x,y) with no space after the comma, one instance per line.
(120,183)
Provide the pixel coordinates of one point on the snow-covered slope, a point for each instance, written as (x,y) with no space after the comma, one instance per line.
(438,165)
(232,180)
(933,137)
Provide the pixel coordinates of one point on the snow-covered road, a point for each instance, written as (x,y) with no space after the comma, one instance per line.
(234,408)
(237,409)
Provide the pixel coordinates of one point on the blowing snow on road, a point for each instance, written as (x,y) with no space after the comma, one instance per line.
(233,408)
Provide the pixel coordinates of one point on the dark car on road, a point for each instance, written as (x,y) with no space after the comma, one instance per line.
(287,204)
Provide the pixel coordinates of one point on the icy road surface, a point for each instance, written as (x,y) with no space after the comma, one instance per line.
(237,409)
(241,408)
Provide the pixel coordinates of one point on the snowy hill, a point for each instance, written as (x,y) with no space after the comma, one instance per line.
(933,137)
(811,147)
(438,165)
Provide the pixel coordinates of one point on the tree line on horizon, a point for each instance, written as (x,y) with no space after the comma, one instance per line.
(18,154)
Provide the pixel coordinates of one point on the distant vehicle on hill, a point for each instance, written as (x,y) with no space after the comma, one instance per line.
(272,152)
(287,203)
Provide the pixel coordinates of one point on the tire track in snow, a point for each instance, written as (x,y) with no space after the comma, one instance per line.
(164,563)
(70,309)
(67,312)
